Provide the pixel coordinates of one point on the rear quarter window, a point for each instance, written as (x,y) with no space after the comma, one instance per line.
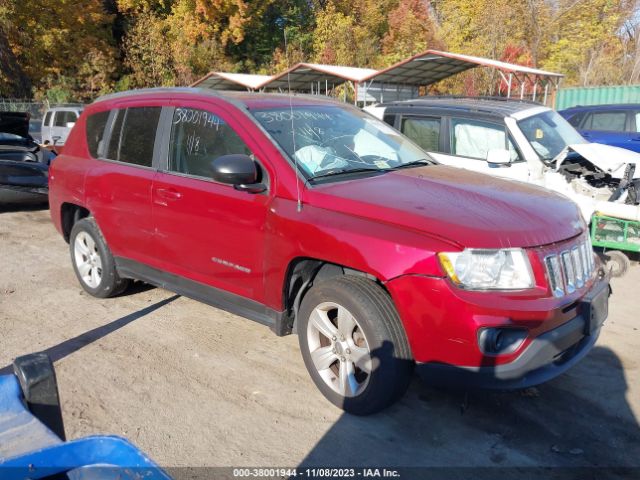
(96,125)
(390,119)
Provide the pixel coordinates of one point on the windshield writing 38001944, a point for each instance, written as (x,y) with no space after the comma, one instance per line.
(196,117)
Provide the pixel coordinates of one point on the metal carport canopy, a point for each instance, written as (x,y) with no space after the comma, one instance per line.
(302,75)
(231,81)
(432,66)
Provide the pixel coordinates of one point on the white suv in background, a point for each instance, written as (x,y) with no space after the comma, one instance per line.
(522,141)
(57,123)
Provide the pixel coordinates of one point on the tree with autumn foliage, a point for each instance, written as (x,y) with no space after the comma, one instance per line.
(57,42)
(75,50)
(411,31)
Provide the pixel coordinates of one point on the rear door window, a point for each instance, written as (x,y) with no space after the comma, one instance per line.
(425,131)
(47,119)
(96,124)
(133,135)
(197,138)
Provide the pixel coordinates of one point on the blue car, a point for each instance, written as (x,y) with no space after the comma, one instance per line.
(616,125)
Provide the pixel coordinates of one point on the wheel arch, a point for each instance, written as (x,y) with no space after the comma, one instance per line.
(70,213)
(302,272)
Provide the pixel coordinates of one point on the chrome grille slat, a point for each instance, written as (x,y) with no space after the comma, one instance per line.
(569,273)
(570,269)
(578,268)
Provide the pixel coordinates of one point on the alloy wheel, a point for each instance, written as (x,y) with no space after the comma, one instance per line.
(339,349)
(88,260)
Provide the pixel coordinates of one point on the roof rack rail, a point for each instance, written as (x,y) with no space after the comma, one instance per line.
(480,97)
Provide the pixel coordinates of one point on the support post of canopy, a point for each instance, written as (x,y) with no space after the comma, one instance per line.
(546,91)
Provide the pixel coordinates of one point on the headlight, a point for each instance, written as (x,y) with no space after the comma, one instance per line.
(479,269)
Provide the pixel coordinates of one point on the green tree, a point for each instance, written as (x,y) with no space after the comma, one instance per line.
(148,54)
(584,42)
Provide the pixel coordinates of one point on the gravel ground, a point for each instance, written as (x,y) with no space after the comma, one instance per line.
(195,386)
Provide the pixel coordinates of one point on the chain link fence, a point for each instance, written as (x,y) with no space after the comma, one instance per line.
(36,109)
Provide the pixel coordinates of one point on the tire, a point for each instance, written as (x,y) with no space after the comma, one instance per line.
(349,329)
(92,261)
(617,263)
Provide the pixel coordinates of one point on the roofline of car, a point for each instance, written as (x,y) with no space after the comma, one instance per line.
(525,112)
(228,96)
(606,106)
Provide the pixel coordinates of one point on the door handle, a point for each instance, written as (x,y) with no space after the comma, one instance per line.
(168,193)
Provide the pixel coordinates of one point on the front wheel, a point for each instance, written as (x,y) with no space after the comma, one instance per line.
(353,344)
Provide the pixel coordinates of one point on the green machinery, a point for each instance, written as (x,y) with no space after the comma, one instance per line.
(615,235)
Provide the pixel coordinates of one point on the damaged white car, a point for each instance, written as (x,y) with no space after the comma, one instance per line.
(522,141)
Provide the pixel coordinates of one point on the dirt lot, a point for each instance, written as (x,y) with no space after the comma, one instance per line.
(196,386)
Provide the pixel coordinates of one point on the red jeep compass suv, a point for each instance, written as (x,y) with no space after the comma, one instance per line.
(310,216)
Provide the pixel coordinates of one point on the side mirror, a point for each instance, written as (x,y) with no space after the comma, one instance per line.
(56,139)
(238,170)
(70,124)
(499,157)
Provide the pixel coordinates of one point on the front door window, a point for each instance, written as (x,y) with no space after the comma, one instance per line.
(475,138)
(197,138)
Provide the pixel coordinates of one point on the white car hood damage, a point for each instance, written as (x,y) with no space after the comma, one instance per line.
(611,160)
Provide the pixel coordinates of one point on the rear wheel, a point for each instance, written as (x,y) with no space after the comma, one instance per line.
(92,261)
(353,344)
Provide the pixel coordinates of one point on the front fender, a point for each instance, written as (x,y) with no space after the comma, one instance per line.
(381,250)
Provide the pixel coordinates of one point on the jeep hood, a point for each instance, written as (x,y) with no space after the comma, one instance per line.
(611,160)
(467,208)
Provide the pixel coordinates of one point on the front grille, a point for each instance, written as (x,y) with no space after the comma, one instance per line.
(570,269)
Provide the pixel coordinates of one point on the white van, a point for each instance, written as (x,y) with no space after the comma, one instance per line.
(57,123)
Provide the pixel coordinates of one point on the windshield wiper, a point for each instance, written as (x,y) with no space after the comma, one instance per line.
(343,171)
(414,163)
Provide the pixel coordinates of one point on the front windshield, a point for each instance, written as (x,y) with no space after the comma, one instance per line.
(549,134)
(329,139)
